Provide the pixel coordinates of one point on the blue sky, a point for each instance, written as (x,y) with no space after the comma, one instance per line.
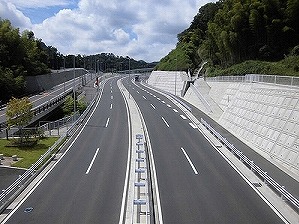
(142,29)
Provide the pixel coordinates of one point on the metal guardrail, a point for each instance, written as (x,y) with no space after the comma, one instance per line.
(56,100)
(284,194)
(274,79)
(11,192)
(17,186)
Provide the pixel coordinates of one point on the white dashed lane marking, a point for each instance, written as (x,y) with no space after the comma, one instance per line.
(165,122)
(183,117)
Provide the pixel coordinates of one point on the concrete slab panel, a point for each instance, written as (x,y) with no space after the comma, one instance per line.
(292,156)
(294,102)
(294,116)
(269,146)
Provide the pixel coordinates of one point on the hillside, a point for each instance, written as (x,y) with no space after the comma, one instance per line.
(230,32)
(22,54)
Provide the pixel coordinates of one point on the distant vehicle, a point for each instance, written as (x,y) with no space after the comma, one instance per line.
(137,78)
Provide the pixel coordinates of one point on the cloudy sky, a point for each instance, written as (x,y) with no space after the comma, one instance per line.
(142,29)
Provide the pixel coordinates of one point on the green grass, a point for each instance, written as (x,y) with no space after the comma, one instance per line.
(29,155)
(286,67)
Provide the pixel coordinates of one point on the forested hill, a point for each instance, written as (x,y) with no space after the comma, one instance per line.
(229,32)
(22,54)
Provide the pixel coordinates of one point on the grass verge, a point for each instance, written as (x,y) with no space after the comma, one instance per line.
(29,155)
(286,67)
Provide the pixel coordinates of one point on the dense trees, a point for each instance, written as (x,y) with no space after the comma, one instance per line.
(20,55)
(232,31)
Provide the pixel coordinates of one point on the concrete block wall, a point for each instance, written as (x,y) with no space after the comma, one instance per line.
(170,81)
(47,81)
(265,118)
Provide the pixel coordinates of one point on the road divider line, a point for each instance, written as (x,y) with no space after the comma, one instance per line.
(153,106)
(165,122)
(175,110)
(189,160)
(107,122)
(92,161)
(193,125)
(183,117)
(110,106)
(144,97)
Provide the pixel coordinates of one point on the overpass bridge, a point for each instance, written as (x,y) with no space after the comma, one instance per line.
(50,96)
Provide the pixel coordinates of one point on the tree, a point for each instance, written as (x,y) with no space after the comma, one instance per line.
(19,113)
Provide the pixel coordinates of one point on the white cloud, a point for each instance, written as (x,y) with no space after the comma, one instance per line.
(144,30)
(16,17)
(38,3)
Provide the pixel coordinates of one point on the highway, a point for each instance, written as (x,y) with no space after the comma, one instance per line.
(86,185)
(196,184)
(47,95)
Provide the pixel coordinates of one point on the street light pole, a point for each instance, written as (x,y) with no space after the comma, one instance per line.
(129,75)
(64,73)
(74,91)
(176,62)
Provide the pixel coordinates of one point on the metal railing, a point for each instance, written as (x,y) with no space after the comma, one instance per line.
(274,79)
(48,127)
(11,192)
(284,194)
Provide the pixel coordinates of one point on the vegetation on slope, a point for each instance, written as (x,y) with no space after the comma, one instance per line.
(21,55)
(230,32)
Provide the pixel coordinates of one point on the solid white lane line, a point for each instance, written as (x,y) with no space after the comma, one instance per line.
(107,122)
(193,125)
(165,122)
(92,161)
(189,160)
(144,97)
(153,107)
(183,117)
(51,168)
(168,105)
(110,106)
(175,110)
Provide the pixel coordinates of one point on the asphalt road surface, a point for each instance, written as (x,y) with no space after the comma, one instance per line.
(45,96)
(196,184)
(86,186)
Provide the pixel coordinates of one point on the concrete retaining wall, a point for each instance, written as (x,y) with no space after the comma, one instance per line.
(266,117)
(170,81)
(44,82)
